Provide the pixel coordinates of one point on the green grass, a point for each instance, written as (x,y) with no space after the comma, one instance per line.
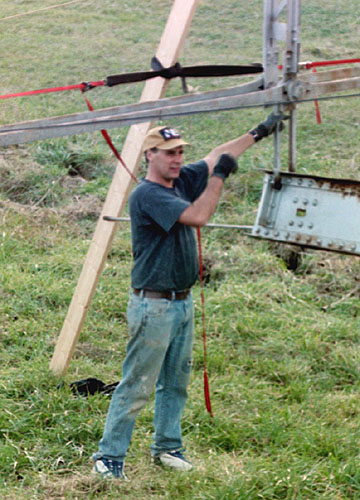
(283,346)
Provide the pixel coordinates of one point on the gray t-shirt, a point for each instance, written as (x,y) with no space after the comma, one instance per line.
(164,251)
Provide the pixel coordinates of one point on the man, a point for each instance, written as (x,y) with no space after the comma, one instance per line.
(164,208)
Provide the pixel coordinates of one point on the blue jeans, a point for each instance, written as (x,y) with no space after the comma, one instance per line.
(159,355)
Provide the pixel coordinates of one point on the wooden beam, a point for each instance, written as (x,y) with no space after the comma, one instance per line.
(170,45)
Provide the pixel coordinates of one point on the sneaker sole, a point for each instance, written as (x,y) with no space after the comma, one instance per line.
(172,463)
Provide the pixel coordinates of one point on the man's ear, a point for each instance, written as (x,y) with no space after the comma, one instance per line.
(149,152)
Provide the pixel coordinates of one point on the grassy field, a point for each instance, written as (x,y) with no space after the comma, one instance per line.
(283,345)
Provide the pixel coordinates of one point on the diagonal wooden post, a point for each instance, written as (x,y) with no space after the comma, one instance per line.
(170,45)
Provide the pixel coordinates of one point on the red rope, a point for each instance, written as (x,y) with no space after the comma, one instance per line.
(310,65)
(317,107)
(111,145)
(201,272)
(81,86)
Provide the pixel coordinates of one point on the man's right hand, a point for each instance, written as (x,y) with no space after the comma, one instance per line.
(225,165)
(268,126)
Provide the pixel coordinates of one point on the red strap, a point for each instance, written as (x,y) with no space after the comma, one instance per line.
(111,145)
(201,272)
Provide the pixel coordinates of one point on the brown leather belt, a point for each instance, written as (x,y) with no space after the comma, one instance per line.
(169,295)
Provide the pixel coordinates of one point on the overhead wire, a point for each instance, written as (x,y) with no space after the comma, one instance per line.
(39,10)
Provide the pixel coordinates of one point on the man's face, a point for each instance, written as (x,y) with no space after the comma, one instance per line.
(165,164)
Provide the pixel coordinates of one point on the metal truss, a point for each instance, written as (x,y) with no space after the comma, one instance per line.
(283,85)
(284,88)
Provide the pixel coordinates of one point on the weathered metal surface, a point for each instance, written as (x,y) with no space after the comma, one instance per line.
(329,87)
(335,74)
(272,31)
(142,106)
(275,31)
(128,115)
(292,50)
(158,110)
(310,211)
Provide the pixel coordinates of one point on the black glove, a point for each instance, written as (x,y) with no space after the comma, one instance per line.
(225,166)
(268,126)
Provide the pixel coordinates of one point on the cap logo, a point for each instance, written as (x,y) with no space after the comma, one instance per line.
(169,133)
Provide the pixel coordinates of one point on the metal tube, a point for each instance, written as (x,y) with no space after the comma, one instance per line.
(225,226)
(277,165)
(292,141)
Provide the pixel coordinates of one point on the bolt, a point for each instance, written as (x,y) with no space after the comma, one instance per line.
(295,200)
(300,224)
(315,202)
(291,223)
(311,225)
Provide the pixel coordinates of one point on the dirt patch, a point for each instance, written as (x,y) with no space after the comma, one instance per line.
(89,207)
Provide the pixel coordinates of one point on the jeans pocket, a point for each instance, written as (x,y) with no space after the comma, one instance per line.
(135,315)
(157,307)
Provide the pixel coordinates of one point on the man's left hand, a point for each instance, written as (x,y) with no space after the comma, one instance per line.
(225,166)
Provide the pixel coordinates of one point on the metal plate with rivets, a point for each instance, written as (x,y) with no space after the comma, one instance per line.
(310,211)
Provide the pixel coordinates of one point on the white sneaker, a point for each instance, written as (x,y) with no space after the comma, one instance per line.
(109,469)
(174,459)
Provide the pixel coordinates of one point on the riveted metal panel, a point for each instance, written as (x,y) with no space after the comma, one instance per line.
(310,211)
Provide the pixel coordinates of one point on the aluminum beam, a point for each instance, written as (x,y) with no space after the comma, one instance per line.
(291,92)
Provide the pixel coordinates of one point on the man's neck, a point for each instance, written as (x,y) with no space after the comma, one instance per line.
(168,183)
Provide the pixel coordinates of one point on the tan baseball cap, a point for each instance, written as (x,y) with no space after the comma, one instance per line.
(163,138)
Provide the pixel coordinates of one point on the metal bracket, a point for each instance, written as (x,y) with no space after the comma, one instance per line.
(310,211)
